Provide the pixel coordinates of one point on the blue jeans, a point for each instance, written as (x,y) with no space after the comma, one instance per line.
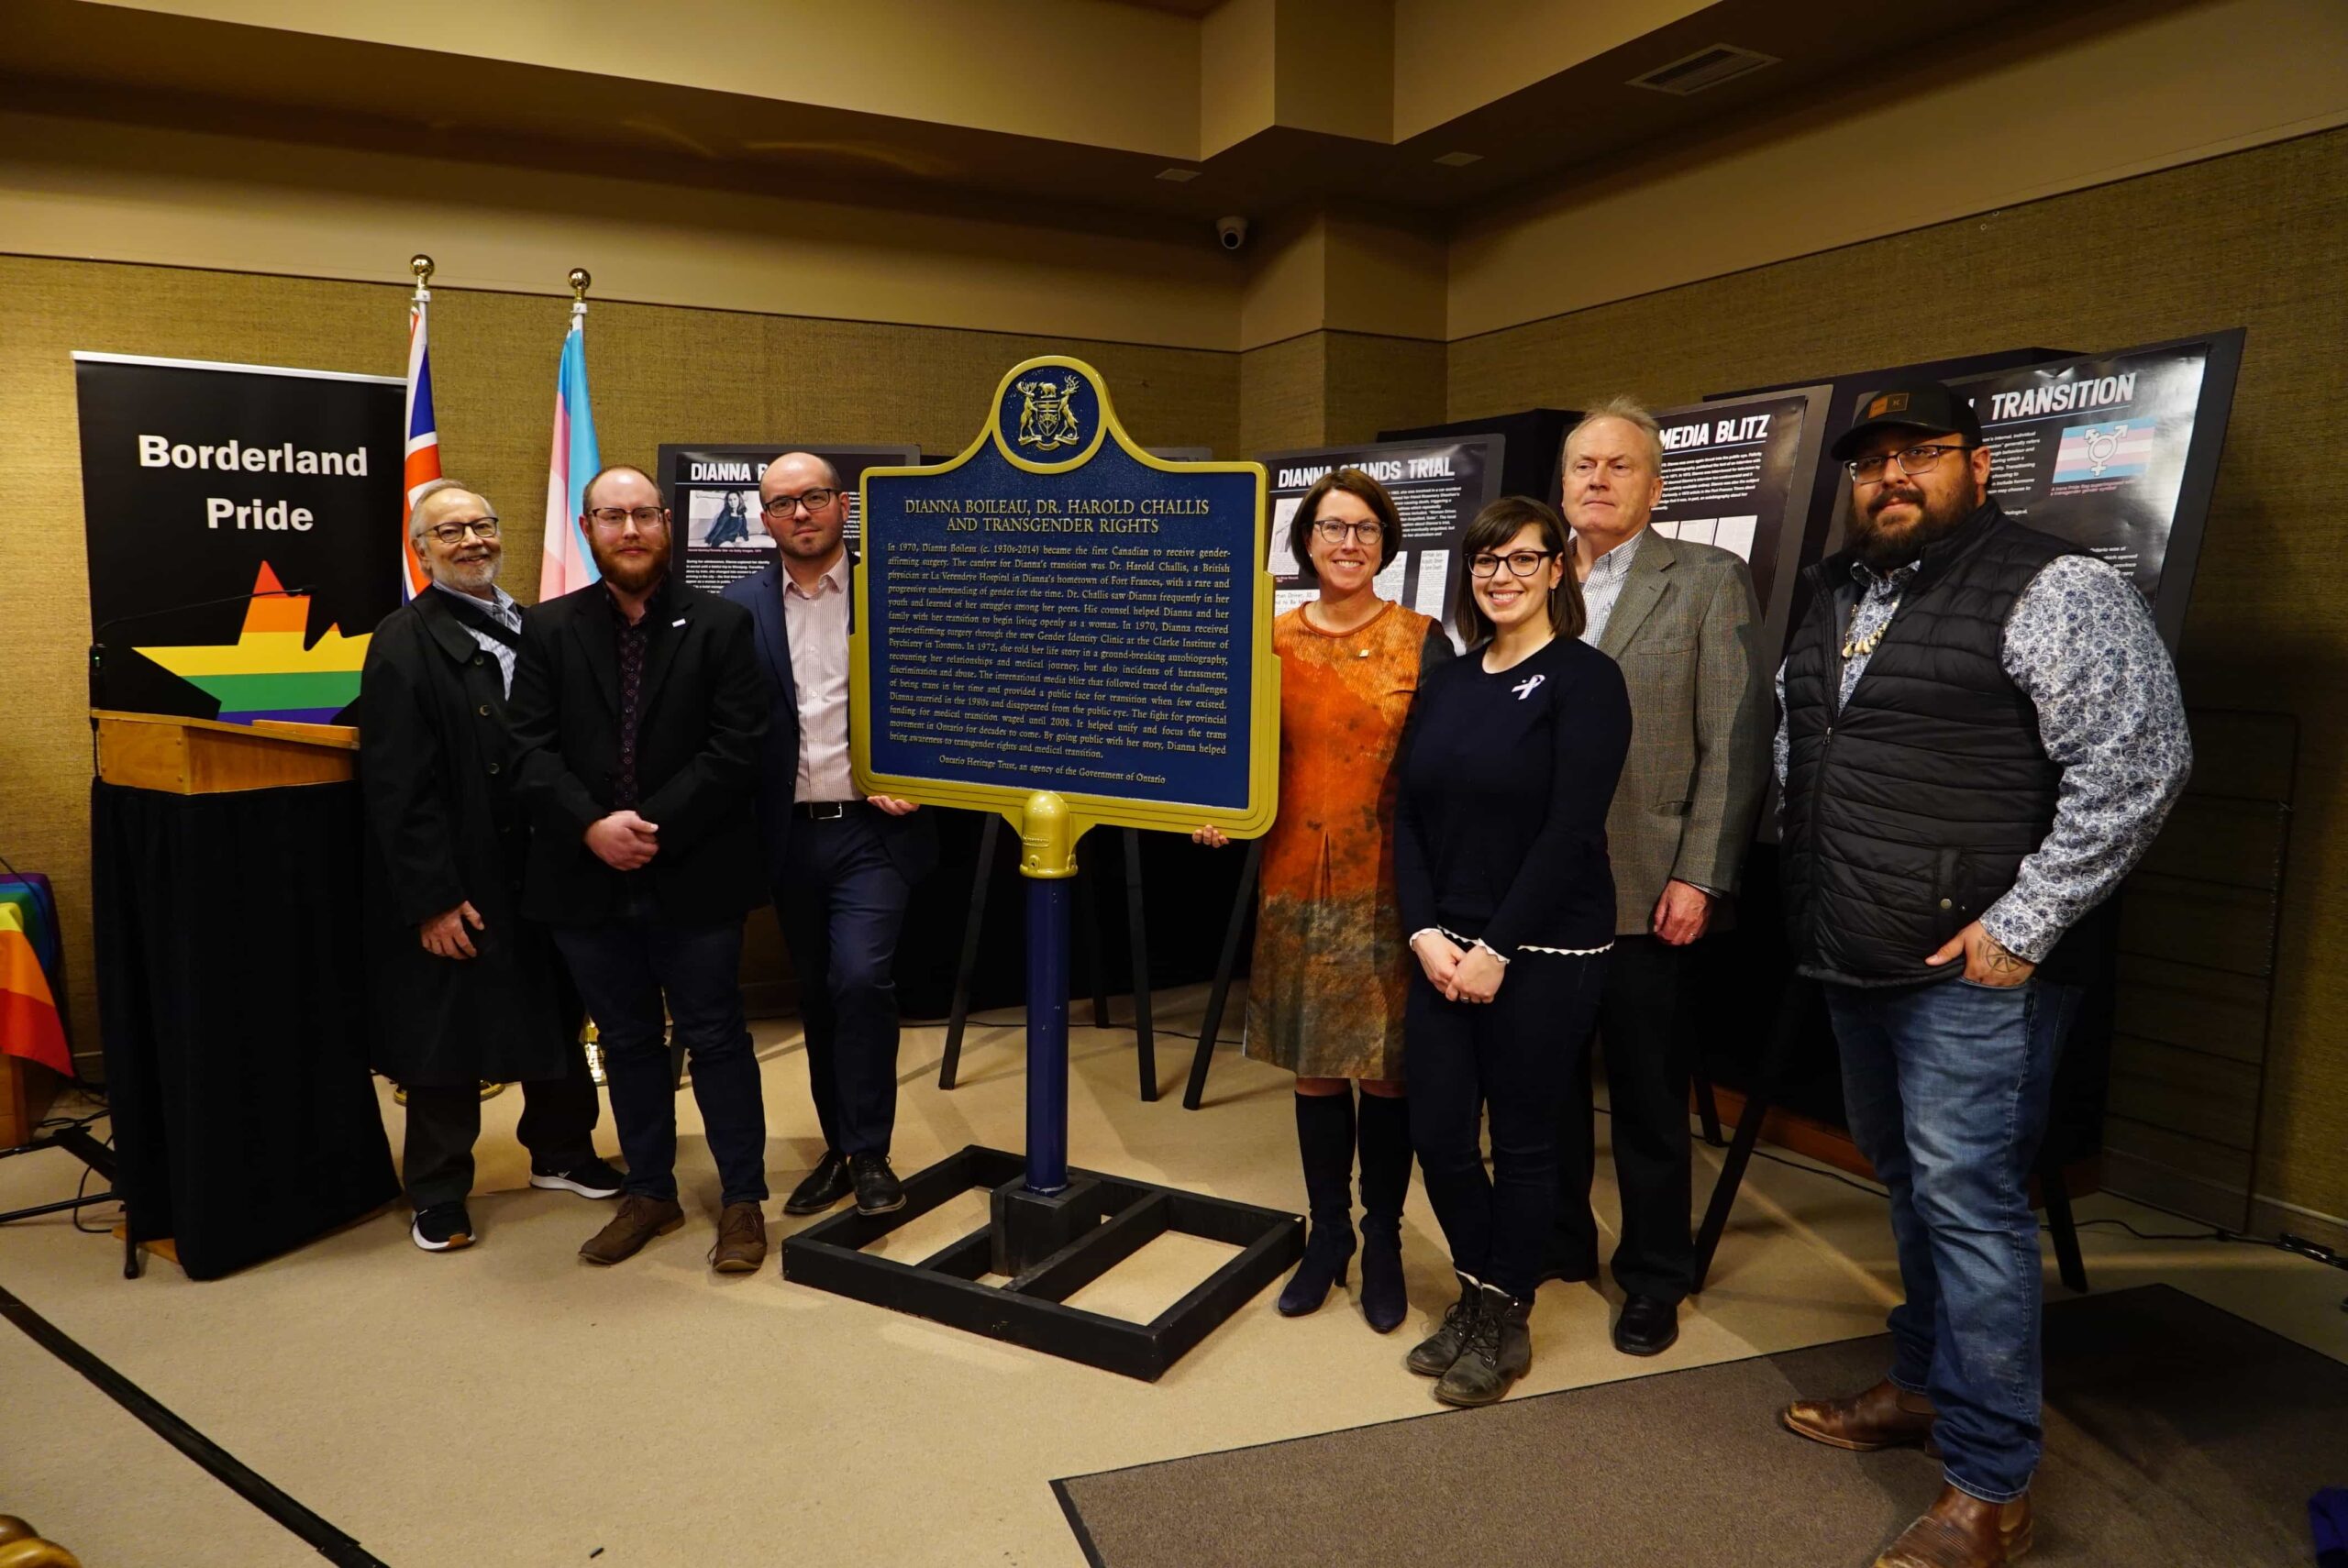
(624,968)
(1946,1086)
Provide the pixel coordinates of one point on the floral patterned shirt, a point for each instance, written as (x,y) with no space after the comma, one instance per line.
(2081,644)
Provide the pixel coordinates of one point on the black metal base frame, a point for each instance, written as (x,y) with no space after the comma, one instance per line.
(1104,1219)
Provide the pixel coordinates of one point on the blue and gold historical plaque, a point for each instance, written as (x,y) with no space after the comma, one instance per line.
(1056,612)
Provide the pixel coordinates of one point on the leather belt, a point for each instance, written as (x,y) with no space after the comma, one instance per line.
(821,811)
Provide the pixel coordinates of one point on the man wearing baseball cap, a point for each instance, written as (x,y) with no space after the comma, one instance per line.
(1981,735)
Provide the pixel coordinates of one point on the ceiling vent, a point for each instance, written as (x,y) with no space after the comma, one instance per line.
(1704,68)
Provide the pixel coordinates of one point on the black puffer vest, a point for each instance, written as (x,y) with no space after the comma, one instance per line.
(1908,813)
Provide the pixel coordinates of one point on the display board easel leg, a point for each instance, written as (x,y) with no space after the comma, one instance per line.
(1708,1105)
(1137,930)
(1793,1006)
(2060,1224)
(1211,1026)
(958,1018)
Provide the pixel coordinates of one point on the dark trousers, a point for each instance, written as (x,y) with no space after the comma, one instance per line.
(558,1127)
(842,904)
(624,969)
(1643,1024)
(1511,1057)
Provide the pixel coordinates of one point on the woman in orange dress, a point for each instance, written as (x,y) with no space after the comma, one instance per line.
(1326,989)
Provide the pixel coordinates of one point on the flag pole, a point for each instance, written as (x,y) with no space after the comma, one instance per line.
(413,474)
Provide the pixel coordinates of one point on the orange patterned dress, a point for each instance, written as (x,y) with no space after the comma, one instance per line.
(1324,996)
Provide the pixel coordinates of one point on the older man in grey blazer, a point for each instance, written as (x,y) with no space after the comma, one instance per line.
(1680,618)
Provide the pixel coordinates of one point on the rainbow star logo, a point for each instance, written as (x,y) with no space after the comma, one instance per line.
(267,673)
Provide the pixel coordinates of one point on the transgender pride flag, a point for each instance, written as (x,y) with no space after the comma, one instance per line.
(2116,451)
(422,442)
(568,565)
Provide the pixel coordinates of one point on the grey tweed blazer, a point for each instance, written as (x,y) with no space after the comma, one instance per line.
(1686,631)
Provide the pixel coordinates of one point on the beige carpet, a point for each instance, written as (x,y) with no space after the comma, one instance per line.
(2177,1434)
(508,1405)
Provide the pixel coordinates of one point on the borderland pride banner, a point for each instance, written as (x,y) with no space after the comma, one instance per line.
(243,533)
(712,492)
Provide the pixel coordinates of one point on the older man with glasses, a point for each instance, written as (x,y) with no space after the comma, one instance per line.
(842,865)
(638,717)
(1982,733)
(466,986)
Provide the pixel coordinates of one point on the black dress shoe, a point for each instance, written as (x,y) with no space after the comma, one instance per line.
(825,1185)
(1649,1326)
(877,1191)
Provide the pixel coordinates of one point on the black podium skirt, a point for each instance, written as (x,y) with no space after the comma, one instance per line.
(231,990)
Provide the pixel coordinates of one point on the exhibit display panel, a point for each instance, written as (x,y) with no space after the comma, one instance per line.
(1438,487)
(712,492)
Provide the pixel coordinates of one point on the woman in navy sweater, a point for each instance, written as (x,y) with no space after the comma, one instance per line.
(1509,763)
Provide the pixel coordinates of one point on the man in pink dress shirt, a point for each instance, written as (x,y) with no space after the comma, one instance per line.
(842,865)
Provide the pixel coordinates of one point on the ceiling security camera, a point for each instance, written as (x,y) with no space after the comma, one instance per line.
(1232,232)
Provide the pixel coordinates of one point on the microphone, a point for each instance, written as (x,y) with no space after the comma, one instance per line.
(97,633)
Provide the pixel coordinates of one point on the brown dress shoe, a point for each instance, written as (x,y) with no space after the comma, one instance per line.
(1885,1416)
(639,1220)
(741,1240)
(1962,1531)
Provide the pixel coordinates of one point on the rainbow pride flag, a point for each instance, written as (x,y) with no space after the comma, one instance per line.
(29,1026)
(267,673)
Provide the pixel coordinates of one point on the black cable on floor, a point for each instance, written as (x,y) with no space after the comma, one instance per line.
(331,1543)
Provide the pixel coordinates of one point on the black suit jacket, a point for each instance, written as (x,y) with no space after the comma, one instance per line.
(435,769)
(703,715)
(910,841)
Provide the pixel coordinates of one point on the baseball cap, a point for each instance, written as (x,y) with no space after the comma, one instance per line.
(1925,406)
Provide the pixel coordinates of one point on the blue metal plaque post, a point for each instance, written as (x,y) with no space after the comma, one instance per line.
(1058,628)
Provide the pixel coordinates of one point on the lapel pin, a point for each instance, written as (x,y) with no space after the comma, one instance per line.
(678,622)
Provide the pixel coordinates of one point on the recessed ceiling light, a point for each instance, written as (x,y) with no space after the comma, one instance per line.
(1178,176)
(1459,159)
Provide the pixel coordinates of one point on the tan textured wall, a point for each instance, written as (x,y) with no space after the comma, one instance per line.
(1283,394)
(2258,239)
(187,197)
(658,373)
(1380,383)
(2111,96)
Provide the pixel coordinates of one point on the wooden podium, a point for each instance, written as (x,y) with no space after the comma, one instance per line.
(204,756)
(227,873)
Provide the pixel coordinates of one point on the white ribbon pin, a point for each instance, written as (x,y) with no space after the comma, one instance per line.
(1524,689)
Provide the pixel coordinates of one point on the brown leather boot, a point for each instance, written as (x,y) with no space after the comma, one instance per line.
(1962,1531)
(741,1240)
(639,1220)
(1885,1416)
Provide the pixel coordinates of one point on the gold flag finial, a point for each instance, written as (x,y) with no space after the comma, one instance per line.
(421,265)
(579,279)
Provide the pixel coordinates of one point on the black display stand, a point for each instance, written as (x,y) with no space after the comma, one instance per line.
(1088,931)
(1096,1224)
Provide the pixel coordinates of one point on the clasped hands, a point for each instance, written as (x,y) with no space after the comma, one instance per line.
(1461,974)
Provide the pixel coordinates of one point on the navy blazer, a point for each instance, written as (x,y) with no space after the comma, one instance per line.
(911,841)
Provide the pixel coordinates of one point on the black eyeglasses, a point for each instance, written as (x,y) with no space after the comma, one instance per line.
(1912,460)
(646,517)
(1333,532)
(454,534)
(1520,563)
(815,500)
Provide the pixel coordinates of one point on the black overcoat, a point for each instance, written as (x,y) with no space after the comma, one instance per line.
(702,725)
(436,768)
